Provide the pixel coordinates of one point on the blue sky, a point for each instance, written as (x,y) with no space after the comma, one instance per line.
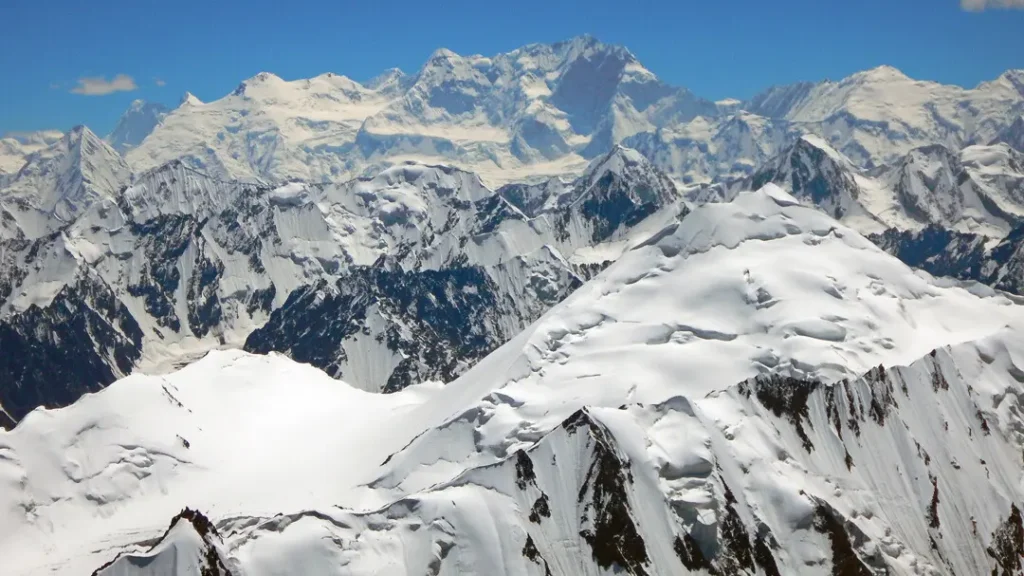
(716,48)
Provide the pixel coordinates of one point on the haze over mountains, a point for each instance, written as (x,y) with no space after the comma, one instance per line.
(535,313)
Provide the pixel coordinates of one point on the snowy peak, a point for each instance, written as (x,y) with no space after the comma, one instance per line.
(189,99)
(263,80)
(190,547)
(85,153)
(883,73)
(58,183)
(815,173)
(135,124)
(619,191)
(79,163)
(927,182)
(555,104)
(627,165)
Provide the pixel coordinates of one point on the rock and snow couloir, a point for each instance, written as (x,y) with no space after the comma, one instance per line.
(757,388)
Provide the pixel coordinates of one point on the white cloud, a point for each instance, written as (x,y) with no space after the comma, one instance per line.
(979,5)
(159,82)
(100,86)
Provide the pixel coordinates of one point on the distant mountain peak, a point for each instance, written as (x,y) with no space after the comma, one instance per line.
(189,99)
(883,72)
(389,76)
(586,42)
(80,140)
(77,131)
(260,79)
(137,122)
(443,55)
(58,183)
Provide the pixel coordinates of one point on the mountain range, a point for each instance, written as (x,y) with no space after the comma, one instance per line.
(547,110)
(535,313)
(703,405)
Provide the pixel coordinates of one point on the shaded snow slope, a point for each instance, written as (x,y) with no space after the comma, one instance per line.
(712,401)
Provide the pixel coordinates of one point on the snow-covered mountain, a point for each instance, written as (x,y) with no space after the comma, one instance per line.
(873,118)
(542,108)
(547,109)
(956,214)
(411,275)
(701,406)
(996,262)
(190,545)
(137,122)
(977,190)
(58,183)
(588,370)
(16,147)
(818,175)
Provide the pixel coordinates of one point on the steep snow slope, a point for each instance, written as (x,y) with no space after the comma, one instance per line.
(702,405)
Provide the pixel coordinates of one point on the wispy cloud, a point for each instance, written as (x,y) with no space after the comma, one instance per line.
(100,86)
(159,82)
(54,85)
(979,5)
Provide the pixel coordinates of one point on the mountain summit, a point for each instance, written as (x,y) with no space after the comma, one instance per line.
(136,124)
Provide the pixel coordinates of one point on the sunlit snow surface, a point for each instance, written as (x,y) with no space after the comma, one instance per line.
(428,480)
